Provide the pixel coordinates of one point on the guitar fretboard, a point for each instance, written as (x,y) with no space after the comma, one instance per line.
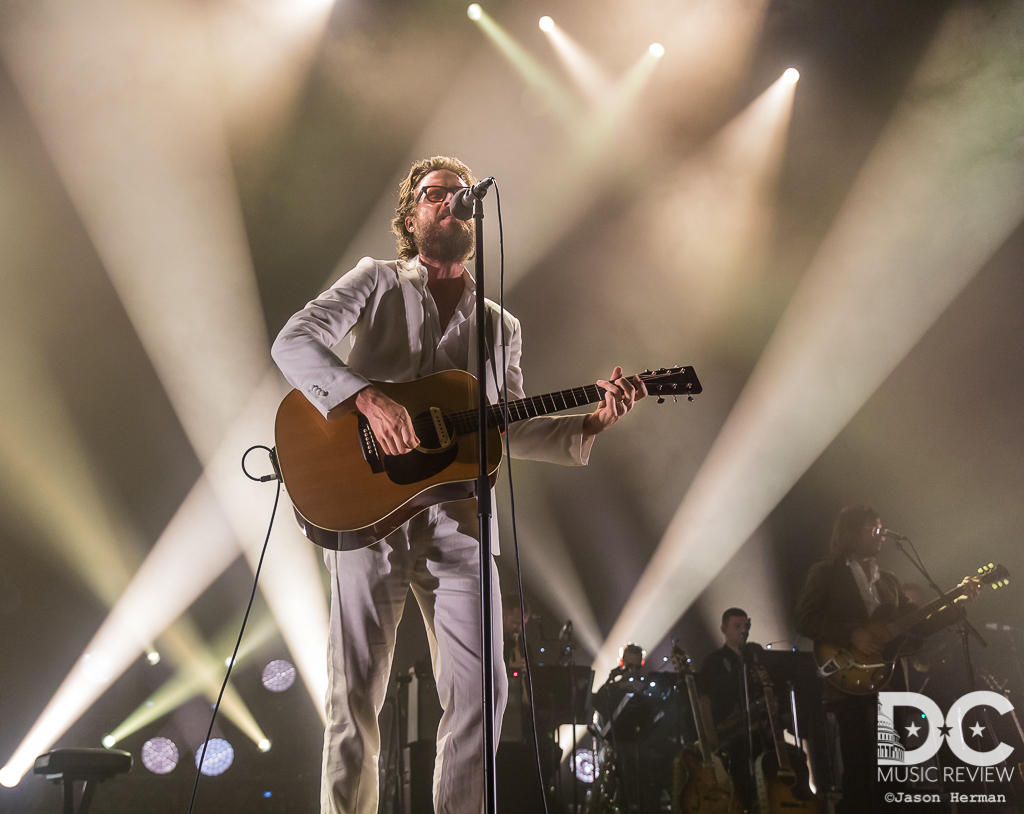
(529,407)
(909,620)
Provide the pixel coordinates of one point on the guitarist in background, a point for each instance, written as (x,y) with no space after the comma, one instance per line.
(835,605)
(407,319)
(720,683)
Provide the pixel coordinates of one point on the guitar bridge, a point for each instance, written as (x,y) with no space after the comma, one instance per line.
(368,446)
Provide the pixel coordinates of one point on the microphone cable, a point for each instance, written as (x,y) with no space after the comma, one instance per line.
(503,396)
(216,707)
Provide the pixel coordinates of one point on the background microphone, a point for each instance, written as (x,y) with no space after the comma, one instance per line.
(888,534)
(461,205)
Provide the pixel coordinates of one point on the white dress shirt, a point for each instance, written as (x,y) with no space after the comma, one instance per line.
(867,583)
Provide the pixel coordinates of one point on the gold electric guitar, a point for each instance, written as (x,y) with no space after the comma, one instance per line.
(348,494)
(858,673)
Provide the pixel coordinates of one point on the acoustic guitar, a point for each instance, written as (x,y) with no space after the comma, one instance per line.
(780,773)
(348,494)
(700,784)
(848,669)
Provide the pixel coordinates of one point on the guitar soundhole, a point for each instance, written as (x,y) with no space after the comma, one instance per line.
(417,466)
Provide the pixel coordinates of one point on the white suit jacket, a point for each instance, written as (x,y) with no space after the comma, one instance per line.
(395,335)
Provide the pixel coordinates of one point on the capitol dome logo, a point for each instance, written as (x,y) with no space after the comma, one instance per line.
(889,746)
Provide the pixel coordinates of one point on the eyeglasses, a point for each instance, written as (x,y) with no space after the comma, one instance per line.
(437,194)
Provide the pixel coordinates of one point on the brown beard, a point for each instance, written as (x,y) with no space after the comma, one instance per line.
(446,244)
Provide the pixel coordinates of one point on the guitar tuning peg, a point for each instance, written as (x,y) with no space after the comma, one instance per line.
(661,399)
(675,400)
(689,398)
(647,371)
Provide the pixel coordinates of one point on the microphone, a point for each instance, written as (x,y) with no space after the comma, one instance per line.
(461,205)
(887,534)
(566,631)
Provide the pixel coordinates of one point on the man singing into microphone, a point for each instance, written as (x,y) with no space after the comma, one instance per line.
(835,605)
(409,318)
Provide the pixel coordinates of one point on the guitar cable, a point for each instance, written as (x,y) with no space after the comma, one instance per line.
(234,654)
(503,396)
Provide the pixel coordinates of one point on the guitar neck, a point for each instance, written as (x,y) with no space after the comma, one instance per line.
(698,720)
(909,620)
(676,381)
(529,407)
(778,741)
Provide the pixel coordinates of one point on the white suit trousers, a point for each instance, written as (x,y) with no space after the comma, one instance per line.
(437,555)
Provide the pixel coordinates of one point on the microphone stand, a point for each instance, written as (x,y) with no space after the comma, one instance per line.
(572,702)
(483,499)
(966,628)
(747,718)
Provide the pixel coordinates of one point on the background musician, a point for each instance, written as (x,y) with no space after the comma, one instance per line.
(835,605)
(720,683)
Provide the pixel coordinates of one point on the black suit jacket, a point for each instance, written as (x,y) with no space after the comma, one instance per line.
(830,606)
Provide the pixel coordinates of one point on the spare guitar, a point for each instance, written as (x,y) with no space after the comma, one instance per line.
(858,673)
(700,784)
(781,773)
(348,494)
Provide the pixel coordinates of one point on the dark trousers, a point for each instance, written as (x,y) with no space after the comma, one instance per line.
(857,718)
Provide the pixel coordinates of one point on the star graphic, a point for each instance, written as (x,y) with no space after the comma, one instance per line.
(912,730)
(977,729)
(945,730)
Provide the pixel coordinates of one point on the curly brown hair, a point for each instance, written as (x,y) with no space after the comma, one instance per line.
(407,197)
(847,530)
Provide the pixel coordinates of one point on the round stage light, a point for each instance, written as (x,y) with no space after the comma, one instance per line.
(108,741)
(657,50)
(585,767)
(219,756)
(475,12)
(546,23)
(279,675)
(263,745)
(791,75)
(160,755)
(153,657)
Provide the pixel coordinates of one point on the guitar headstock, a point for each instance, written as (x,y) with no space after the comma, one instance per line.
(681,663)
(671,381)
(995,575)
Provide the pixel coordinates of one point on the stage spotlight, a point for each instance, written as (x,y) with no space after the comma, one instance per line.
(263,745)
(657,50)
(474,12)
(108,741)
(160,755)
(279,675)
(791,75)
(546,24)
(219,757)
(153,657)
